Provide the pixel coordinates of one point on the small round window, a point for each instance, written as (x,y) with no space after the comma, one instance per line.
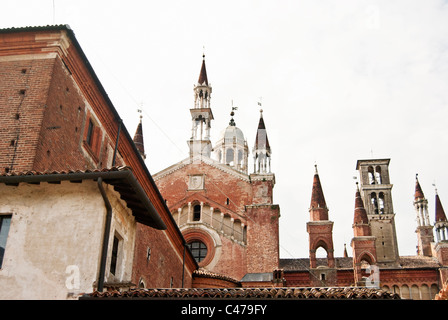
(198,250)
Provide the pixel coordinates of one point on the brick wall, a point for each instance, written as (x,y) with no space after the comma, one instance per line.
(24,86)
(164,266)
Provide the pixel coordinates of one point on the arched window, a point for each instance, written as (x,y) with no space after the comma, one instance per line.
(374,202)
(381,203)
(197,213)
(198,250)
(321,256)
(230,157)
(378,174)
(371,175)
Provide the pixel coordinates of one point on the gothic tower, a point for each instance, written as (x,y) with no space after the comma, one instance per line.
(424,229)
(319,228)
(363,243)
(376,192)
(201,116)
(263,214)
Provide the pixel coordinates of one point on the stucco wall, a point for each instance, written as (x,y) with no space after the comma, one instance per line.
(54,242)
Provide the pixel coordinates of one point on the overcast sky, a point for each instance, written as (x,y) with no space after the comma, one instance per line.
(338,80)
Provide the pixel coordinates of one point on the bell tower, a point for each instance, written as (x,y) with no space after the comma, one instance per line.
(376,192)
(201,116)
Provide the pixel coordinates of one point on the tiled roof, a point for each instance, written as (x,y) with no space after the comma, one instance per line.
(346,263)
(68,172)
(201,273)
(249,293)
(303,264)
(415,262)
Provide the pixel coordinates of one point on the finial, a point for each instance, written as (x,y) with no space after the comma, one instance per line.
(315,167)
(434,185)
(232,122)
(140,111)
(203,52)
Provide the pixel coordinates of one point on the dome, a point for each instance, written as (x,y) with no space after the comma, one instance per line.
(231,134)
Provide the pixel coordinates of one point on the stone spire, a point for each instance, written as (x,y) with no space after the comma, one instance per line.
(262,149)
(318,206)
(441,223)
(203,74)
(421,204)
(138,139)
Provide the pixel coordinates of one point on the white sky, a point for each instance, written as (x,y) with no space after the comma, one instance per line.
(339,80)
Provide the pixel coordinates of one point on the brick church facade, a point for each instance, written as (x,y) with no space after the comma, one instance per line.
(226,215)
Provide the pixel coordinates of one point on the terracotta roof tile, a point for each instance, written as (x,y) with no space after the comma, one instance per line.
(202,273)
(249,293)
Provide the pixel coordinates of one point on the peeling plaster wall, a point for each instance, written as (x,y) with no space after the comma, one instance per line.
(54,242)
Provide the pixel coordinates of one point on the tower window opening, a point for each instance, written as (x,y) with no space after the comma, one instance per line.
(381,203)
(197,213)
(378,175)
(371,175)
(374,201)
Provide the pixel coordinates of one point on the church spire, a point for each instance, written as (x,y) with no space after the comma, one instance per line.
(262,149)
(138,139)
(318,203)
(420,204)
(203,74)
(441,223)
(201,116)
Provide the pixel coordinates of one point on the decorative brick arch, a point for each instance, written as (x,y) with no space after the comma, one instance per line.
(327,244)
